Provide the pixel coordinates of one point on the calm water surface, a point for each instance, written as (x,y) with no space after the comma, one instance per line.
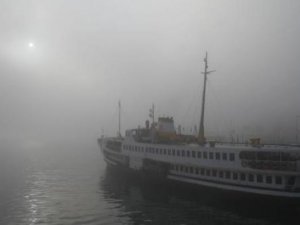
(79,189)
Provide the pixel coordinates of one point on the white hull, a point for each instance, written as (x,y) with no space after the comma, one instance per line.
(234,188)
(183,169)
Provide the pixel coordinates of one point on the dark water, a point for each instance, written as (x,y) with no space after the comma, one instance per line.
(77,188)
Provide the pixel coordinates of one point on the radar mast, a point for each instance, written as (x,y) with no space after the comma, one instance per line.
(201,136)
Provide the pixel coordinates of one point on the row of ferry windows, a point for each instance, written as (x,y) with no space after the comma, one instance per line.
(183,153)
(228,174)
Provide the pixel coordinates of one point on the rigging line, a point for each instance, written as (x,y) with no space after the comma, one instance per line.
(113,120)
(195,116)
(126,115)
(213,94)
(186,117)
(219,109)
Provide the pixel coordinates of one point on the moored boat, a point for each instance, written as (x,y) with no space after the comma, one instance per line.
(158,150)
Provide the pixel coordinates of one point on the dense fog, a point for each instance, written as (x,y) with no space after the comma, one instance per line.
(64,65)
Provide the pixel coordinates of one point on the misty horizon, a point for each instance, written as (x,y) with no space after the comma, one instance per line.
(64,67)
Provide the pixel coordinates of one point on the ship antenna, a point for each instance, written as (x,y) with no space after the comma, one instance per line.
(201,126)
(119,119)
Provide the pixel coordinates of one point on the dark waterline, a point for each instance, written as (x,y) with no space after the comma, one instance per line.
(81,190)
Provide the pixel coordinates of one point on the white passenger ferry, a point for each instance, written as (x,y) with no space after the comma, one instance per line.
(157,150)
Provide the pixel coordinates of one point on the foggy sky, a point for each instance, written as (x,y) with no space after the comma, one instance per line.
(89,54)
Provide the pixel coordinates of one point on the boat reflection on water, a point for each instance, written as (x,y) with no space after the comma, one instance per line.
(144,202)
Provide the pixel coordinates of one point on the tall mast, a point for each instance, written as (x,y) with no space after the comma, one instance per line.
(151,114)
(119,119)
(201,136)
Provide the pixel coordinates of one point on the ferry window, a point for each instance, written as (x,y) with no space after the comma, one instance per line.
(205,155)
(235,176)
(224,156)
(188,153)
(291,181)
(227,174)
(262,155)
(221,174)
(160,151)
(202,170)
(178,153)
(165,151)
(211,155)
(183,153)
(269,179)
(243,176)
(181,168)
(156,151)
(231,156)
(142,149)
(207,172)
(214,173)
(193,154)
(248,155)
(218,155)
(136,148)
(191,169)
(169,151)
(259,178)
(173,152)
(186,169)
(278,180)
(199,155)
(285,156)
(197,171)
(251,177)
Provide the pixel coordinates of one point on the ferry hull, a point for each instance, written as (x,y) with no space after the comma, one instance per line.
(206,194)
(205,187)
(157,169)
